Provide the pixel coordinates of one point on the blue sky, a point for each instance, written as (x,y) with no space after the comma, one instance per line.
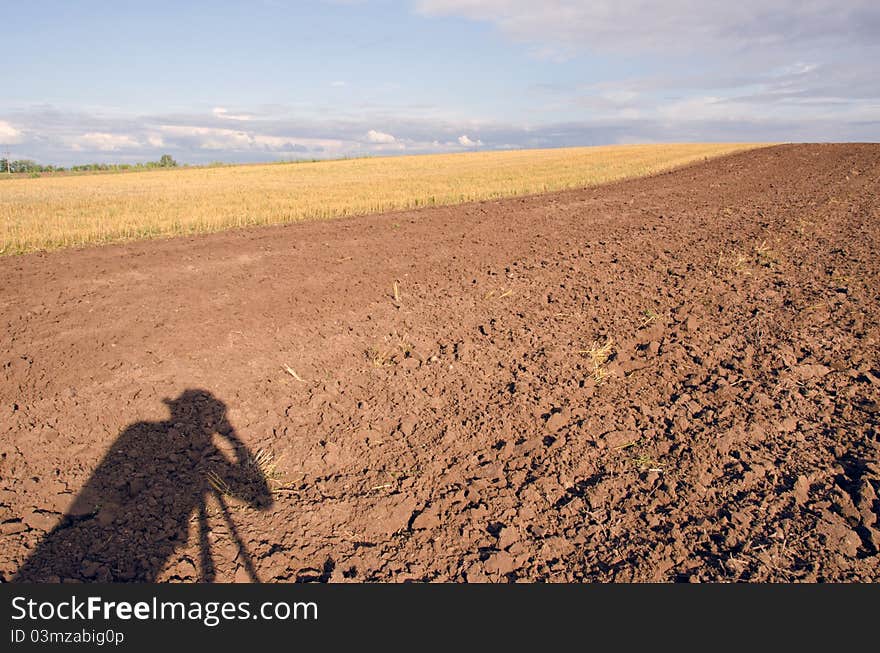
(262,81)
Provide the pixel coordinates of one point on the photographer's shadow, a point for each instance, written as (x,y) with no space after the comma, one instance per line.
(136,508)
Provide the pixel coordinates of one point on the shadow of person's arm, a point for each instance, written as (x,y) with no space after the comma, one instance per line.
(242,478)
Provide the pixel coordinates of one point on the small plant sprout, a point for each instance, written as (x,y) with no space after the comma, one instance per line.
(379,357)
(258,465)
(262,463)
(598,354)
(644,463)
(651,316)
(736,261)
(767,257)
(395,347)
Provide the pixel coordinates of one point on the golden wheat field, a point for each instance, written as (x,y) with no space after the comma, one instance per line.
(52,212)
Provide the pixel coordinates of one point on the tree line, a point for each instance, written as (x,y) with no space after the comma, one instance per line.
(32,167)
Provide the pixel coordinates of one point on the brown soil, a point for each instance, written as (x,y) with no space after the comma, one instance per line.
(463,431)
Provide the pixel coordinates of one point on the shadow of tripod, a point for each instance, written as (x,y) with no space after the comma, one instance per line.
(135,509)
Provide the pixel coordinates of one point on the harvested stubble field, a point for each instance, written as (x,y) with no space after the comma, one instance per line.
(54,212)
(671,378)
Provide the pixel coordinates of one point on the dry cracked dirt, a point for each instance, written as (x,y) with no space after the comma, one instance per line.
(674,378)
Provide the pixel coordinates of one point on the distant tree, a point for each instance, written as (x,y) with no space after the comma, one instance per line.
(167,162)
(25,165)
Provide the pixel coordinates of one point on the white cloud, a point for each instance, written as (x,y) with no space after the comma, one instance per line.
(155,141)
(223,114)
(9,135)
(382,138)
(209,138)
(218,138)
(104,142)
(337,84)
(467,142)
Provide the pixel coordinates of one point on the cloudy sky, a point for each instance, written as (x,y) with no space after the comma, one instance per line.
(260,81)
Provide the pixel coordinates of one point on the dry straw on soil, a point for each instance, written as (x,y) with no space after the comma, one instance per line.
(53,212)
